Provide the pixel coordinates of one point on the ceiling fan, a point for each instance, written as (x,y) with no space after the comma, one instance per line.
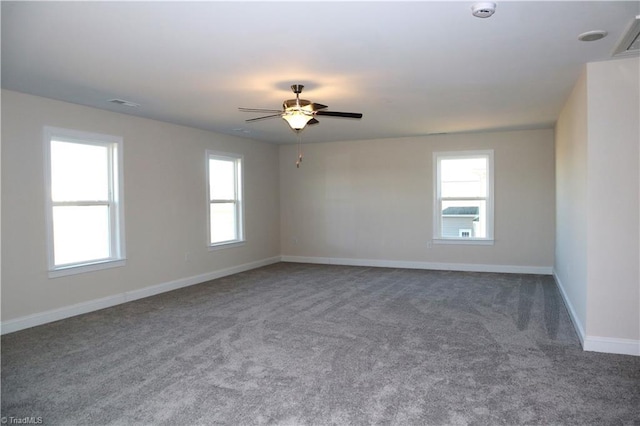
(299,113)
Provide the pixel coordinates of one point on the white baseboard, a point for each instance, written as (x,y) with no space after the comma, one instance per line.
(40,318)
(197,279)
(572,312)
(589,343)
(596,343)
(466,267)
(611,345)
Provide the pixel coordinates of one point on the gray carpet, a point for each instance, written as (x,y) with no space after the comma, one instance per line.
(301,344)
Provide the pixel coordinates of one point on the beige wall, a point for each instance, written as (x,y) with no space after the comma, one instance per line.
(165,205)
(598,205)
(613,301)
(571,202)
(369,200)
(373,199)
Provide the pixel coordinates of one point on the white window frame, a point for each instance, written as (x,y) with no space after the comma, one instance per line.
(238,201)
(117,252)
(438,199)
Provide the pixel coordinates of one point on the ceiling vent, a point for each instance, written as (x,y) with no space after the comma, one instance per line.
(629,44)
(124,103)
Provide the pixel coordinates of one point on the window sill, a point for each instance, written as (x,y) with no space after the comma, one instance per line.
(220,246)
(464,241)
(86,267)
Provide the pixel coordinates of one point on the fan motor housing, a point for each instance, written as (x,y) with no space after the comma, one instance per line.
(292,103)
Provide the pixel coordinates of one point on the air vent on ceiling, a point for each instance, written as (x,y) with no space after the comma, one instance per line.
(124,103)
(629,44)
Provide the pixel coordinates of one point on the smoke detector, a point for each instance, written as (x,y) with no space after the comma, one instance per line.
(483,9)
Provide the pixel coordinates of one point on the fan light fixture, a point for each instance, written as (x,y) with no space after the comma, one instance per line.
(299,113)
(297,118)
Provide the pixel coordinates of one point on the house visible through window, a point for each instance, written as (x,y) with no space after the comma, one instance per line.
(464,233)
(463,196)
(225,198)
(84,209)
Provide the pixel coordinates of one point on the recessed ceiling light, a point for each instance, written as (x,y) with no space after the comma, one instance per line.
(592,35)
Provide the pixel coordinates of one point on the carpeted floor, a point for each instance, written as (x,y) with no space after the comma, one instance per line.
(302,344)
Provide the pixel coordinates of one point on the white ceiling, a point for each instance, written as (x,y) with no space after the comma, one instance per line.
(412,68)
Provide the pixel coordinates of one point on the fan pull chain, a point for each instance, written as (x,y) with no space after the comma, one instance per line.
(299,160)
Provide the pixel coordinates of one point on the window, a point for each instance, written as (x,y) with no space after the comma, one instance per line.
(463,197)
(224,199)
(85,220)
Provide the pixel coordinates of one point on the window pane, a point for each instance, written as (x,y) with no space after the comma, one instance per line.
(461,216)
(223,222)
(80,233)
(221,179)
(79,172)
(465,177)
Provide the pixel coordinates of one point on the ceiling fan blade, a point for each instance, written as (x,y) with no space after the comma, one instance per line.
(259,110)
(316,107)
(312,122)
(264,118)
(340,114)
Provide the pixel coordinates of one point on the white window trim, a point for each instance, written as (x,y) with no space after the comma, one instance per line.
(117,236)
(239,190)
(437,201)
